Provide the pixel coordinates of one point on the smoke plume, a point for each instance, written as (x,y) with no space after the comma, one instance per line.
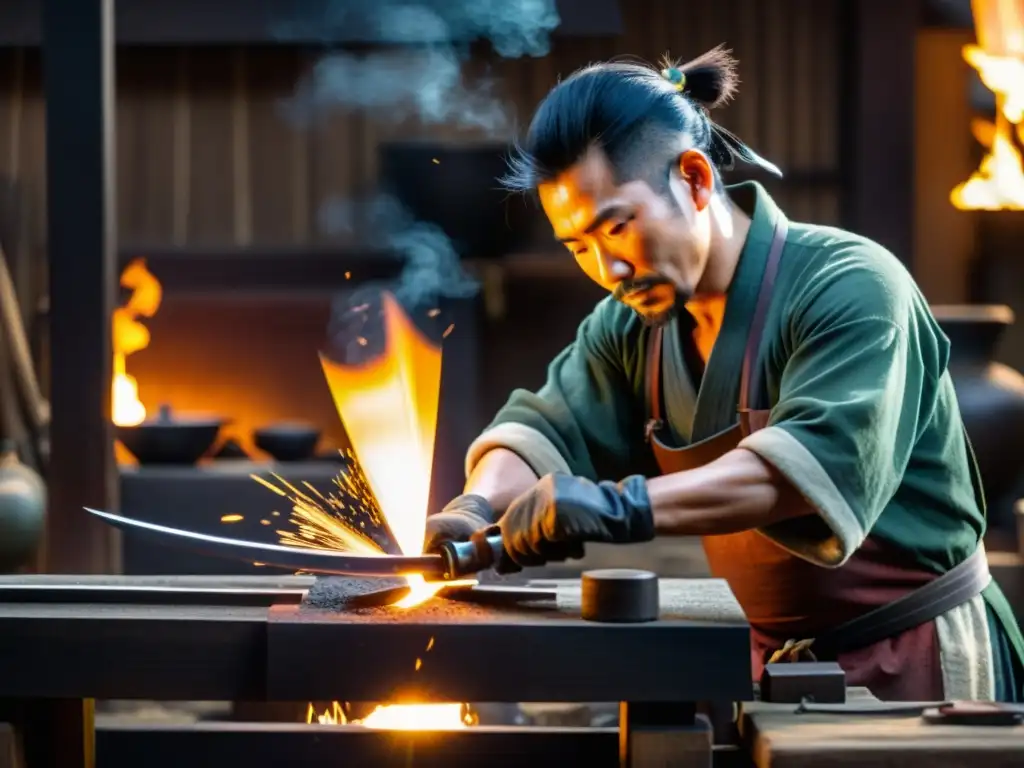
(401,60)
(415,70)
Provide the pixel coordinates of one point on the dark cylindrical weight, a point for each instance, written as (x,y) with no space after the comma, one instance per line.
(620,595)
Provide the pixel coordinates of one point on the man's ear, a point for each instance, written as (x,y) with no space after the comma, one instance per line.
(695,169)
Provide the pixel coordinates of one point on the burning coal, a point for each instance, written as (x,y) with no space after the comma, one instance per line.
(401,716)
(404,717)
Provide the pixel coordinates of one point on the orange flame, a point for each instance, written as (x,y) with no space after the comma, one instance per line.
(389,409)
(998,184)
(129,336)
(404,717)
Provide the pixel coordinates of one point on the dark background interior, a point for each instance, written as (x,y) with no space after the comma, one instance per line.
(865,104)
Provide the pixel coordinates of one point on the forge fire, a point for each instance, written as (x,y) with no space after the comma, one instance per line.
(389,409)
(399,717)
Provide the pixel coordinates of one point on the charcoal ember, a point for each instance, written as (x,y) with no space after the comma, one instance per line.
(336,593)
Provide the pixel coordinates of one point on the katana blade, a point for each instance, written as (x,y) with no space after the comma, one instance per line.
(278,556)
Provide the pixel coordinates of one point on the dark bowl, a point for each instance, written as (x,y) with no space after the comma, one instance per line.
(181,441)
(288,442)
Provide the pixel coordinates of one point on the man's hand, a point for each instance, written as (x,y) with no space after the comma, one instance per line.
(553,520)
(458,521)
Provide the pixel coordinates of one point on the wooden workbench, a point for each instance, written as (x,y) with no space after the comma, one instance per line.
(776,737)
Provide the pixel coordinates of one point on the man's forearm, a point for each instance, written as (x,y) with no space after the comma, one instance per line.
(737,492)
(500,476)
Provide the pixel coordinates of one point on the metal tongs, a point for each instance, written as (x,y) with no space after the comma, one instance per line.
(454,560)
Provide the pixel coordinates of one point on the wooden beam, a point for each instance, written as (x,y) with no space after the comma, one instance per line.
(157,652)
(79,90)
(878,143)
(944,238)
(297,745)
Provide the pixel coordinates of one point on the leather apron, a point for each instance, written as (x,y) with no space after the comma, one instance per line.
(784,596)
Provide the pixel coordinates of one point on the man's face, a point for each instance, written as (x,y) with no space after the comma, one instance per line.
(649,249)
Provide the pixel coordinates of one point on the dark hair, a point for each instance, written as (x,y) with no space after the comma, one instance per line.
(613,104)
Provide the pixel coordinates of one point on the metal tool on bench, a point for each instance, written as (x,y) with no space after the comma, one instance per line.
(455,560)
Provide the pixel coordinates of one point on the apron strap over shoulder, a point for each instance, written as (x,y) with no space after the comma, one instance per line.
(652,383)
(750,377)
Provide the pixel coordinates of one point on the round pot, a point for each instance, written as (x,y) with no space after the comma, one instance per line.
(170,439)
(288,441)
(991,397)
(22,511)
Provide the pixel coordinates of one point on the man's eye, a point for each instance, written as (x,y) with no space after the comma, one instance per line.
(619,227)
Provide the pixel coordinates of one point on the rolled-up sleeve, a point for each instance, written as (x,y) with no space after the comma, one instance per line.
(849,407)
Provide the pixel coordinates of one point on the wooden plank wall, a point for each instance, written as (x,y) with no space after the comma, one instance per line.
(205,157)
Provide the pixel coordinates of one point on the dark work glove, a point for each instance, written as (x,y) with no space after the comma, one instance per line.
(458,521)
(554,519)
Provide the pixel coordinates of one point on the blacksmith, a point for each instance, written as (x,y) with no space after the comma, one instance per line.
(778,388)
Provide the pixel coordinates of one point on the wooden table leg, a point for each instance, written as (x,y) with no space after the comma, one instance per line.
(663,735)
(50,733)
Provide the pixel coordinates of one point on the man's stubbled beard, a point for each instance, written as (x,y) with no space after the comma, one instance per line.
(640,284)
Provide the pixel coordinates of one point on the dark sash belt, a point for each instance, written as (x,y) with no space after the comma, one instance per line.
(950,590)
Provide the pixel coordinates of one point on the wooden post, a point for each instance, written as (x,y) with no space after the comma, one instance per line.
(79,90)
(878,122)
(48,733)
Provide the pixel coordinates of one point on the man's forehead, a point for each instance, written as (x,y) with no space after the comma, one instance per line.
(572,196)
(593,174)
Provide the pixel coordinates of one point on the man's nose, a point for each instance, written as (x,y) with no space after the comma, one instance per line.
(613,269)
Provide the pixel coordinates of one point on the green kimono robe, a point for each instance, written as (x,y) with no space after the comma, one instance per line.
(864,418)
